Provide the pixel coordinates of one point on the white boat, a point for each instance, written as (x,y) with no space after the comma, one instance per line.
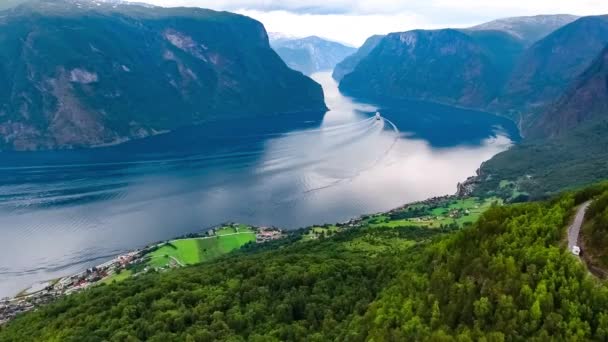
(378,117)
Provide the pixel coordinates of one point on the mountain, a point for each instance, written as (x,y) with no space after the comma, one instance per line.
(565,145)
(507,277)
(550,65)
(447,66)
(528,29)
(83,73)
(585,101)
(349,63)
(311,54)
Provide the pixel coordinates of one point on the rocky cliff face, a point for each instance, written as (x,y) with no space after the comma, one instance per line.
(585,102)
(350,63)
(311,54)
(84,73)
(445,66)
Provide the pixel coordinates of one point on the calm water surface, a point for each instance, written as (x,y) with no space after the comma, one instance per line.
(63,211)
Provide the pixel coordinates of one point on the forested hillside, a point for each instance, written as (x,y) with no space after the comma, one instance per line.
(85,73)
(504,278)
(567,147)
(595,236)
(446,66)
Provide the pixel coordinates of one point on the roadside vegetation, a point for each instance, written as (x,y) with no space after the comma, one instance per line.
(594,236)
(504,277)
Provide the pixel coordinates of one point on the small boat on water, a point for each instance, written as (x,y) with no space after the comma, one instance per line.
(378,117)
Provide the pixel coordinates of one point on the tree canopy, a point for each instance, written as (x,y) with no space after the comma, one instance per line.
(507,277)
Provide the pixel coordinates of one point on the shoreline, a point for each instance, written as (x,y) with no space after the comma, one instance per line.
(203,231)
(447,211)
(54,289)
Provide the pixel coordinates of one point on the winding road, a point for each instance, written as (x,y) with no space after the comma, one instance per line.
(575,228)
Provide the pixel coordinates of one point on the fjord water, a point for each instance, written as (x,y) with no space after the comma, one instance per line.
(63,211)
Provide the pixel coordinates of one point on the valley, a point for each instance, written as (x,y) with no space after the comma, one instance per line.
(177,173)
(295,171)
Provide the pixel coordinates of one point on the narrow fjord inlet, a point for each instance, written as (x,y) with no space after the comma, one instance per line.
(289,170)
(79,208)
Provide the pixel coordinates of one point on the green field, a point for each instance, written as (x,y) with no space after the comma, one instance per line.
(117,277)
(196,250)
(436,215)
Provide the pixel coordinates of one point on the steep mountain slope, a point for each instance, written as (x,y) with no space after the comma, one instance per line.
(594,236)
(502,49)
(447,66)
(566,144)
(350,63)
(534,169)
(586,100)
(311,54)
(82,73)
(504,279)
(549,66)
(528,29)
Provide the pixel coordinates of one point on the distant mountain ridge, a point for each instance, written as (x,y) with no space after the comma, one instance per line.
(529,29)
(310,54)
(84,73)
(502,73)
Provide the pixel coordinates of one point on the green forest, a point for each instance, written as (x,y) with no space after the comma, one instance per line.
(507,277)
(542,167)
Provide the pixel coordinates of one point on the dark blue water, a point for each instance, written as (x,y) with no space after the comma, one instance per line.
(63,211)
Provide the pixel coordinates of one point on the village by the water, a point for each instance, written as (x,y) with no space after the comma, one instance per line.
(438,212)
(157,257)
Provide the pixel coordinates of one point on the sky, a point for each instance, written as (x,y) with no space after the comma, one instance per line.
(352,21)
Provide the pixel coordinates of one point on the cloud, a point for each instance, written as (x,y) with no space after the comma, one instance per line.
(349,29)
(353,20)
(377,7)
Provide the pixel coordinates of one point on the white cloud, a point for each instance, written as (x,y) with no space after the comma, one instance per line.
(350,29)
(353,20)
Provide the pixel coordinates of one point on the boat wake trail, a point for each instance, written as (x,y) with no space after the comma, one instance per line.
(381,129)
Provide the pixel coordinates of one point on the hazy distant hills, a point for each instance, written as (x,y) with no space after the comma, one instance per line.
(349,63)
(83,73)
(527,29)
(311,54)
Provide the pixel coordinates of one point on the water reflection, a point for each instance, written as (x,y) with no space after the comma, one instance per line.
(63,211)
